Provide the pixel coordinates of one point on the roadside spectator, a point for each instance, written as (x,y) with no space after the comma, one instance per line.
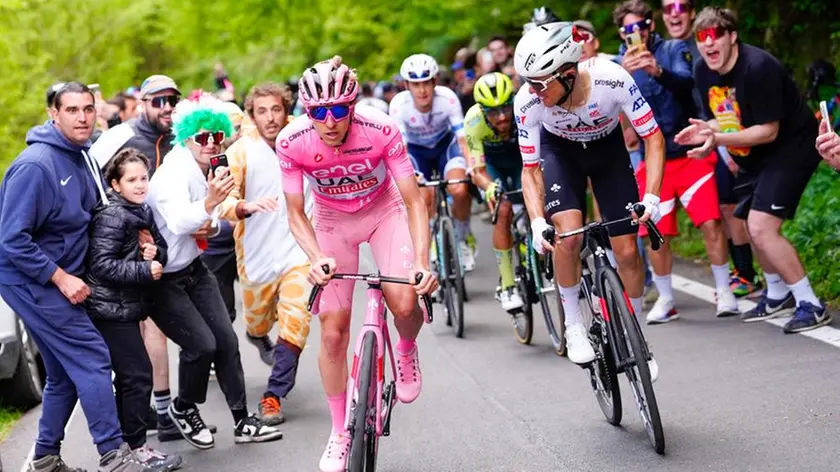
(368,99)
(184,195)
(222,80)
(151,134)
(828,143)
(591,43)
(662,71)
(120,273)
(46,202)
(760,115)
(502,55)
(272,276)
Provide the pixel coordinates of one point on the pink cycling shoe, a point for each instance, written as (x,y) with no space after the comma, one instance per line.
(335,455)
(409,378)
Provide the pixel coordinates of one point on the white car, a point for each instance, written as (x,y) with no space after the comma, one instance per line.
(22,371)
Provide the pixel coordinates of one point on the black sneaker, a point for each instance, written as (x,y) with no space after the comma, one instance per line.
(807,317)
(768,308)
(252,429)
(264,346)
(167,431)
(192,427)
(157,460)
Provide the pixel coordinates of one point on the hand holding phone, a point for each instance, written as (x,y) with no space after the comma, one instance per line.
(634,40)
(219,160)
(825,115)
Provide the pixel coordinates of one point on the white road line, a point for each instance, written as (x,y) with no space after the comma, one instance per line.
(31,454)
(826,334)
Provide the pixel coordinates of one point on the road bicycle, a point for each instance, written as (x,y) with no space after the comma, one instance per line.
(447,262)
(614,330)
(370,399)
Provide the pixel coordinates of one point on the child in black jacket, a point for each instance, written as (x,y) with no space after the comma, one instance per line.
(120,274)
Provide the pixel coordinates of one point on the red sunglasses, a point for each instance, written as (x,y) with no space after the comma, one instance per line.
(203,138)
(714,33)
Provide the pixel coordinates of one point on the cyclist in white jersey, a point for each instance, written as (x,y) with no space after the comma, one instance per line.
(431,121)
(568,115)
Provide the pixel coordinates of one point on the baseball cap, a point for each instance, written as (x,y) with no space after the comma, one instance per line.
(157,83)
(583,24)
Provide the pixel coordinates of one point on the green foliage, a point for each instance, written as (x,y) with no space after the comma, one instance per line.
(8,418)
(815,232)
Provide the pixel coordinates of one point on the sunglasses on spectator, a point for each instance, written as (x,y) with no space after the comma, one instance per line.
(582,35)
(714,33)
(495,112)
(338,112)
(202,139)
(637,26)
(160,102)
(676,8)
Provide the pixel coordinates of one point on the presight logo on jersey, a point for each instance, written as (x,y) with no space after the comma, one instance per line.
(727,111)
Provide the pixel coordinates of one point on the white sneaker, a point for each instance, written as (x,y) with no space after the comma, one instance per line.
(467,256)
(662,311)
(727,304)
(578,348)
(511,300)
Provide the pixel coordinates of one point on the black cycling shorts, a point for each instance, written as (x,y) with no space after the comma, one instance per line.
(777,186)
(567,165)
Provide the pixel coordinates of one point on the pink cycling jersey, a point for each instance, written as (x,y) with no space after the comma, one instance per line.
(351,175)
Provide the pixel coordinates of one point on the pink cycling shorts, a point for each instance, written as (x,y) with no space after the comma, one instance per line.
(383,223)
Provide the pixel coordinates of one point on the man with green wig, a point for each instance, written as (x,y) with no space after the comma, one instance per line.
(184,195)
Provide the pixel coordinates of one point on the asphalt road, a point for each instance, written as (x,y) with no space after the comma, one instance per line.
(733,397)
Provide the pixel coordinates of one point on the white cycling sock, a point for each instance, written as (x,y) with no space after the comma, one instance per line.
(462,229)
(663,286)
(569,297)
(721,273)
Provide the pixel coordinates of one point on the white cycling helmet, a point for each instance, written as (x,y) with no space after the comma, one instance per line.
(419,68)
(545,49)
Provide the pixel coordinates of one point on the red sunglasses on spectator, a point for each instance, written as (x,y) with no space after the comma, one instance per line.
(713,32)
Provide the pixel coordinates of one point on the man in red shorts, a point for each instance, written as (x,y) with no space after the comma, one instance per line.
(663,71)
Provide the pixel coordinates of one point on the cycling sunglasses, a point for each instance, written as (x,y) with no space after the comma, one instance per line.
(676,8)
(426,74)
(160,102)
(338,112)
(202,139)
(715,32)
(495,112)
(637,26)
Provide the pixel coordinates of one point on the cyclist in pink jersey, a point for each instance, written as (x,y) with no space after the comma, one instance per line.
(365,191)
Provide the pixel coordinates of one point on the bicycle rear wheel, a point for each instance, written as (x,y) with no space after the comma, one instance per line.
(523,321)
(552,309)
(363,428)
(636,366)
(453,277)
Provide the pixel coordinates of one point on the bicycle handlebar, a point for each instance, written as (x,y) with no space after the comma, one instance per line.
(445,182)
(499,193)
(656,239)
(369,278)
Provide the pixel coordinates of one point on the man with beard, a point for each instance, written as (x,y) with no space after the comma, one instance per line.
(151,134)
(272,276)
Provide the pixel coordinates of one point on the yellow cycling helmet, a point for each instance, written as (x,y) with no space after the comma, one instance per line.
(493,90)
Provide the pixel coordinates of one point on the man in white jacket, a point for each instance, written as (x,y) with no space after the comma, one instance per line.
(184,195)
(272,267)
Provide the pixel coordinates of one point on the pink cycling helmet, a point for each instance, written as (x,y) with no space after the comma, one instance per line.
(328,83)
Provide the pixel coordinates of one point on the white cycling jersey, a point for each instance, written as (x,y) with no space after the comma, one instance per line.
(427,129)
(613,91)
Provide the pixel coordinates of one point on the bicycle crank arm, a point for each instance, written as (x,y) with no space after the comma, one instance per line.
(390,399)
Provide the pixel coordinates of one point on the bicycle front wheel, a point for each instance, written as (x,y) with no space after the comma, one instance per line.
(363,443)
(636,364)
(453,277)
(549,295)
(523,321)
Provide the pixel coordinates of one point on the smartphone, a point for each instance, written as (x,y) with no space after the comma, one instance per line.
(824,113)
(219,160)
(634,39)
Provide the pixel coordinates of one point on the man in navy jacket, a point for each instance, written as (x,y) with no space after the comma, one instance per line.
(662,69)
(46,201)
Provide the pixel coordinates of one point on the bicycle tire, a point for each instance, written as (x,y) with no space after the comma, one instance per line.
(604,372)
(638,373)
(557,336)
(360,434)
(454,278)
(523,322)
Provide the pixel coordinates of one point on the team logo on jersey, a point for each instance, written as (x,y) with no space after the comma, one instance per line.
(595,113)
(284,144)
(319,157)
(523,133)
(643,119)
(633,89)
(386,130)
(593,106)
(611,83)
(639,103)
